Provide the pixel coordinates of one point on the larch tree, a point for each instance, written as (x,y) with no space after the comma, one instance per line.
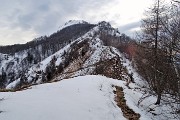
(152,38)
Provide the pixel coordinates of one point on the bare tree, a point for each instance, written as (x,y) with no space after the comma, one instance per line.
(157,57)
(151,27)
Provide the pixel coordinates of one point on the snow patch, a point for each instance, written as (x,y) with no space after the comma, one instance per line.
(13,84)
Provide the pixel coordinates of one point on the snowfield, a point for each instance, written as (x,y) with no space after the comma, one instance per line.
(88,97)
(80,98)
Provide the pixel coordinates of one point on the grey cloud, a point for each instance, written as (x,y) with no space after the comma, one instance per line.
(126,28)
(43,7)
(45,16)
(130,26)
(49,25)
(30,14)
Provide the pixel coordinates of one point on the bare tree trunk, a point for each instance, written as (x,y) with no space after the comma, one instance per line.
(158,99)
(156,56)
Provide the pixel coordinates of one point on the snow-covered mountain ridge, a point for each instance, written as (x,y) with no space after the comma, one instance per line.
(75,60)
(81,56)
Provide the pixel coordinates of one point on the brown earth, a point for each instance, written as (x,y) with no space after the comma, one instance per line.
(121,102)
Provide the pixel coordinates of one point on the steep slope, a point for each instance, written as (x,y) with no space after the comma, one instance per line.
(16,60)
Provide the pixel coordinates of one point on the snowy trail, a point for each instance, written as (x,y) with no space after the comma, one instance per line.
(88,97)
(80,98)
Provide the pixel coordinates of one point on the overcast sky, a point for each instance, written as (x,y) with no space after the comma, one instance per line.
(23,20)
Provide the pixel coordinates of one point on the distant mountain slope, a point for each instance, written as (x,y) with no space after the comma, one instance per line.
(77,49)
(69,32)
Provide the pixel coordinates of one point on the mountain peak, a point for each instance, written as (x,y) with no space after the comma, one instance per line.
(72,22)
(76,22)
(104,23)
